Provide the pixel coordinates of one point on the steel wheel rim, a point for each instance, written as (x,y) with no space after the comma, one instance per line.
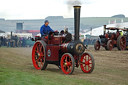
(97,45)
(66,64)
(38,55)
(110,45)
(86,63)
(123,43)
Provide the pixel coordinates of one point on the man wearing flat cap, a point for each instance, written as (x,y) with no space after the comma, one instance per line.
(45,29)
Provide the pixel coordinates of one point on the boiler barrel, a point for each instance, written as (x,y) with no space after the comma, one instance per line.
(74,47)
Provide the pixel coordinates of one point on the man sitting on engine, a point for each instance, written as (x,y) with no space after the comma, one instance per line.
(68,36)
(45,29)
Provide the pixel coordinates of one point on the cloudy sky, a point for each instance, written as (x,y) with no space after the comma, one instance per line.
(39,9)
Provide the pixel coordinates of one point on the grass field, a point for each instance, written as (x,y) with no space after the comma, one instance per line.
(111,68)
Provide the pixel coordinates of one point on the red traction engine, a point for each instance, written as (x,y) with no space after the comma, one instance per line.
(61,50)
(112,39)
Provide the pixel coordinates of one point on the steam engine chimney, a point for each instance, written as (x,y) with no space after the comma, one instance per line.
(104,29)
(76,22)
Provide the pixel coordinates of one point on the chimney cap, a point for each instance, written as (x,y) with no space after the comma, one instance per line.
(76,6)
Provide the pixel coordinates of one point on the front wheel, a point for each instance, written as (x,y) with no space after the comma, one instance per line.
(110,45)
(97,45)
(67,63)
(87,62)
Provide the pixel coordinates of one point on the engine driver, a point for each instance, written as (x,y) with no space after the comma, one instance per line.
(45,29)
(68,36)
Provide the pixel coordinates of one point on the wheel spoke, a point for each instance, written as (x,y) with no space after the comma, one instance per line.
(37,49)
(82,62)
(68,69)
(41,54)
(84,58)
(66,59)
(70,61)
(90,63)
(89,59)
(41,63)
(37,60)
(85,65)
(64,66)
(41,49)
(89,66)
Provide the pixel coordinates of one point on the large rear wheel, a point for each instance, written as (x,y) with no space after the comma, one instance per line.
(38,55)
(67,63)
(87,62)
(121,43)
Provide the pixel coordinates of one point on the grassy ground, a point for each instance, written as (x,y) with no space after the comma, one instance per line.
(16,69)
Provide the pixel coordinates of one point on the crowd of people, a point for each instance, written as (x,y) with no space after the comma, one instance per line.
(16,41)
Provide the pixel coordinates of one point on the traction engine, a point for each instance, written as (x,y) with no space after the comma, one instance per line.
(61,50)
(111,39)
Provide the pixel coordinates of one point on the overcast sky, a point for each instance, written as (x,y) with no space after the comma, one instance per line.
(39,9)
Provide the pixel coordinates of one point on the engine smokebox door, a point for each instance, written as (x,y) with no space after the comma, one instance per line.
(52,53)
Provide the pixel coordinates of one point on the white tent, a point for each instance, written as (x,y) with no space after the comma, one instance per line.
(99,31)
(2,34)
